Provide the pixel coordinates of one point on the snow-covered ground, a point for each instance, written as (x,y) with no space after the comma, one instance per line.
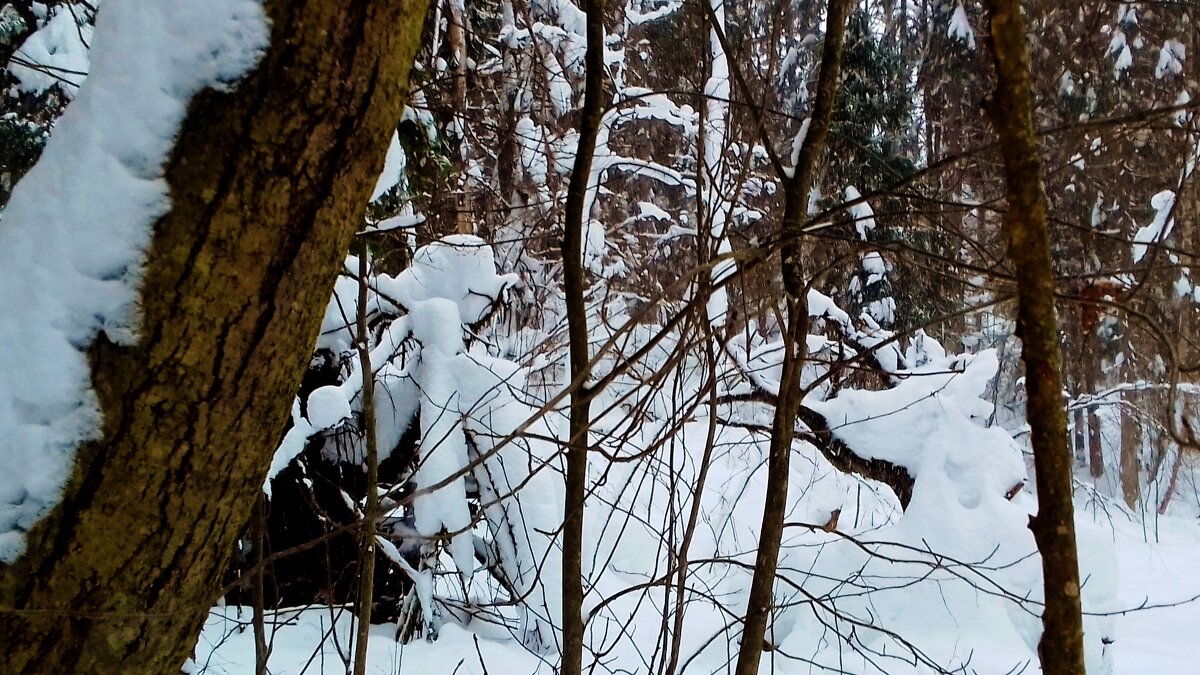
(1162,640)
(1154,641)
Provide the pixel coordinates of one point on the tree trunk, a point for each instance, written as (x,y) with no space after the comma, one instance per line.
(1025,227)
(783,425)
(575,290)
(1090,365)
(1131,450)
(366,542)
(1095,443)
(262,648)
(267,183)
(456,35)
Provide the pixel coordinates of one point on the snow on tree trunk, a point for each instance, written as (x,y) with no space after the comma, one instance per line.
(713,192)
(266,183)
(73,236)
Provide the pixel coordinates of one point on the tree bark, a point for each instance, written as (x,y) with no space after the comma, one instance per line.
(1090,364)
(366,542)
(574,290)
(1025,226)
(267,181)
(456,35)
(783,425)
(1095,443)
(262,648)
(1131,452)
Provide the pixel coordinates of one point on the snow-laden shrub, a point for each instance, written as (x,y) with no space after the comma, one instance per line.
(473,491)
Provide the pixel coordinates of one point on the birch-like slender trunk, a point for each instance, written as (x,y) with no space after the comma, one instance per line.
(795,217)
(366,550)
(575,290)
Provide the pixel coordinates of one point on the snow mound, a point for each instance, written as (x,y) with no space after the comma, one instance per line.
(327,406)
(914,423)
(964,531)
(460,268)
(59,49)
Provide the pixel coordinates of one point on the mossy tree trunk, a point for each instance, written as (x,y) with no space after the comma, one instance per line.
(1027,232)
(268,182)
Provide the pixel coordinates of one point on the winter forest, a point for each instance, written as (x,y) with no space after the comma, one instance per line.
(488,337)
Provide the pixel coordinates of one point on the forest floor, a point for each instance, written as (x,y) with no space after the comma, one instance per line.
(1161,640)
(1157,566)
